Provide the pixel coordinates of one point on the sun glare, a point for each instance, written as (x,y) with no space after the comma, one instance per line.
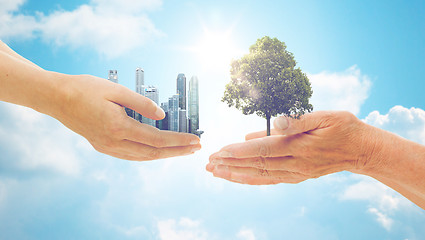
(216,49)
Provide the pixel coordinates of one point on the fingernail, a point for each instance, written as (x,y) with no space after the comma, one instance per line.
(197,148)
(281,123)
(225,154)
(160,112)
(193,142)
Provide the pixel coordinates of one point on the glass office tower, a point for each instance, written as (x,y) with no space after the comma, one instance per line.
(152,93)
(140,89)
(173,113)
(193,105)
(183,121)
(181,90)
(140,80)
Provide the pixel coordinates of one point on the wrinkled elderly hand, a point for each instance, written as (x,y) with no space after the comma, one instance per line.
(317,144)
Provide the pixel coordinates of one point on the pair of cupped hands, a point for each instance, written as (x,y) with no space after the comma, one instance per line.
(314,145)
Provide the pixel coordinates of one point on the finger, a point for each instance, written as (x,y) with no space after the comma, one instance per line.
(139,152)
(306,123)
(130,99)
(255,176)
(261,134)
(288,163)
(272,146)
(149,135)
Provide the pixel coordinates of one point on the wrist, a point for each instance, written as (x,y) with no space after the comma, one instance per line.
(373,154)
(51,93)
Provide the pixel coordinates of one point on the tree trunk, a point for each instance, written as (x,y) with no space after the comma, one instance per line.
(268,125)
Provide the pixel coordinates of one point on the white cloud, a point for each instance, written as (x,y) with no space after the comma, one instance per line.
(246,234)
(377,193)
(184,229)
(383,201)
(111,27)
(408,123)
(382,218)
(38,142)
(15,25)
(128,6)
(340,90)
(10,5)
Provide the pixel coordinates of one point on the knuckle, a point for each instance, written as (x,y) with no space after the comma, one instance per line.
(114,129)
(347,116)
(263,173)
(260,163)
(264,149)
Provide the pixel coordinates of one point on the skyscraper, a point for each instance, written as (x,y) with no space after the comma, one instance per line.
(181,90)
(163,123)
(140,87)
(183,120)
(151,92)
(193,105)
(140,80)
(113,76)
(173,113)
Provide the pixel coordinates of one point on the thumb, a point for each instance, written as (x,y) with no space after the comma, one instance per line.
(306,123)
(139,103)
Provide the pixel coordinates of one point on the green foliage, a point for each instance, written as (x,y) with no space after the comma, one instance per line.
(266,82)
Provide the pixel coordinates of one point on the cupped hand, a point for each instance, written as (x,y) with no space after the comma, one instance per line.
(93,108)
(317,144)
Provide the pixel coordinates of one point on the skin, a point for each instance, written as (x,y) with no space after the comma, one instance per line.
(322,143)
(93,108)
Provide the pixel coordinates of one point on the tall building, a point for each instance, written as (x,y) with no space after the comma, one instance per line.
(182,120)
(163,123)
(193,105)
(113,76)
(181,90)
(173,113)
(140,80)
(140,87)
(152,93)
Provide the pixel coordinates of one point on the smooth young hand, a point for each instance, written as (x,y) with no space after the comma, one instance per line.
(93,109)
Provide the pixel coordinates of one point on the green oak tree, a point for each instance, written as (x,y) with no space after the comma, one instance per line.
(266,82)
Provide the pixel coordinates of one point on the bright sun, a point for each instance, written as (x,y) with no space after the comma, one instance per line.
(216,49)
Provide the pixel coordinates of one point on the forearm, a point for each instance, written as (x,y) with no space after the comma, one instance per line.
(26,84)
(6,49)
(400,164)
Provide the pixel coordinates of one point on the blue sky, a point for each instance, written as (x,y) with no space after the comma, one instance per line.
(367,57)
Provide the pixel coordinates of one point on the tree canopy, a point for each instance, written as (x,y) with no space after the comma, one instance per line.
(266,82)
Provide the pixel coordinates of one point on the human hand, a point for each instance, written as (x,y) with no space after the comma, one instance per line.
(317,144)
(92,107)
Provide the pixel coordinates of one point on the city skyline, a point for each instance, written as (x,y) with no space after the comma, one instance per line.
(177,116)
